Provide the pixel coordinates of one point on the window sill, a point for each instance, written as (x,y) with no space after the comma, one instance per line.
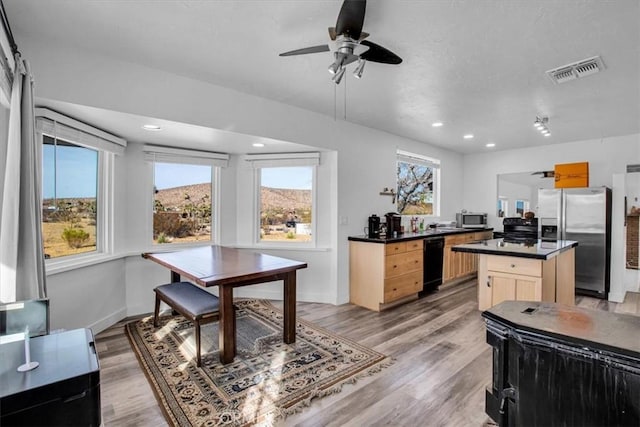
(61,266)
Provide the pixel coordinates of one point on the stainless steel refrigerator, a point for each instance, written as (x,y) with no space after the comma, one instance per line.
(583,215)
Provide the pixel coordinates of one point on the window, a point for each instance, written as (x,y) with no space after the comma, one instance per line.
(503,207)
(77,169)
(69,198)
(285,197)
(418,184)
(184,183)
(182,202)
(522,206)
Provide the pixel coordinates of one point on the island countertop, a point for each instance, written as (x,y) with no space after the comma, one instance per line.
(431,232)
(537,249)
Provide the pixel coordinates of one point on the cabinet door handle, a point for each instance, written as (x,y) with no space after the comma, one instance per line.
(395,266)
(488,281)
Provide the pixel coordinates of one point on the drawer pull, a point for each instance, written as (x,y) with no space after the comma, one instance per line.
(513,266)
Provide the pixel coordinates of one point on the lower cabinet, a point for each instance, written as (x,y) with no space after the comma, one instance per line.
(506,278)
(384,275)
(461,264)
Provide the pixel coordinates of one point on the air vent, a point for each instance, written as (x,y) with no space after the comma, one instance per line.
(576,70)
(633,168)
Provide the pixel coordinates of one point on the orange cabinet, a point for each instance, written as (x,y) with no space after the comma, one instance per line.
(572,175)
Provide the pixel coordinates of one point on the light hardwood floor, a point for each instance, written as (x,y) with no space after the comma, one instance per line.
(442,365)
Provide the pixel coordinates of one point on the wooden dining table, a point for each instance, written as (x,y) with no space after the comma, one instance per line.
(229,268)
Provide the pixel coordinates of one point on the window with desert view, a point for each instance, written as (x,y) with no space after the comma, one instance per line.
(286,204)
(182,202)
(69,198)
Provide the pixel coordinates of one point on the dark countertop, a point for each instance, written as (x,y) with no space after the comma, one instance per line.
(431,232)
(592,328)
(536,249)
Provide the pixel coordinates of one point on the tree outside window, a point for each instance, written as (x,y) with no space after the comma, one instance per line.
(417,185)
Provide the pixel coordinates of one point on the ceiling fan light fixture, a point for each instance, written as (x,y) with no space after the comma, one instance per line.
(337,78)
(357,73)
(541,124)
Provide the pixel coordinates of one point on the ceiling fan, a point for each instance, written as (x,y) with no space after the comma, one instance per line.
(348,43)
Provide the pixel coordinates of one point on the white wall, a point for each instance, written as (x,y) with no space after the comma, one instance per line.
(365,160)
(606,157)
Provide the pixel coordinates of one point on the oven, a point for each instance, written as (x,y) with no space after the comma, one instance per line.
(518,229)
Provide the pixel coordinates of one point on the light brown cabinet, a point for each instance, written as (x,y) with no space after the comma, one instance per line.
(384,275)
(502,278)
(461,264)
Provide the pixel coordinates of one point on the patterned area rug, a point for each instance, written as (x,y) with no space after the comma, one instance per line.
(268,379)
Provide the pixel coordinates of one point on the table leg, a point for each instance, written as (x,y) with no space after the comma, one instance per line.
(289,332)
(175,277)
(227,327)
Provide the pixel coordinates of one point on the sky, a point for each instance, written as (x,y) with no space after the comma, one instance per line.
(170,175)
(293,178)
(77,174)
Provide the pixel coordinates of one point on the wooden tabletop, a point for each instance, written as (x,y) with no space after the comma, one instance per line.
(218,265)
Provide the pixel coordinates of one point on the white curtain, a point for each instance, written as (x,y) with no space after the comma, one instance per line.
(22,274)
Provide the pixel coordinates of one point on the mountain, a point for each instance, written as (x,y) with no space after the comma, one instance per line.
(272,198)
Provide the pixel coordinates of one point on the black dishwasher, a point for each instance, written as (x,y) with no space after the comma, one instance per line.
(432,267)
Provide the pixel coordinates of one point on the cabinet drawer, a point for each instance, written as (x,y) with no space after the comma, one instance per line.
(402,286)
(396,265)
(459,239)
(522,266)
(414,245)
(395,248)
(483,235)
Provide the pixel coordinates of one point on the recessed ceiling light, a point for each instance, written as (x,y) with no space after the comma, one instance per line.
(468,136)
(436,124)
(491,144)
(258,144)
(151,127)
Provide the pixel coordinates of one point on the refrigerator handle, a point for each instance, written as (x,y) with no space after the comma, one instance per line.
(625,211)
(563,217)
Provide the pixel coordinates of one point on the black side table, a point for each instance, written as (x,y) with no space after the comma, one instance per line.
(63,390)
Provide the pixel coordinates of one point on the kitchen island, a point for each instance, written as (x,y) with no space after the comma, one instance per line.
(387,271)
(523,271)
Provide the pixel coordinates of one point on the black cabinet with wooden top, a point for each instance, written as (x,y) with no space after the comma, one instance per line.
(64,390)
(560,365)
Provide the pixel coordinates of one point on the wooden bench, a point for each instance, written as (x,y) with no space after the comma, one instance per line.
(191,301)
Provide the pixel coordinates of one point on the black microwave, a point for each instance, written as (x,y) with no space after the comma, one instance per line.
(471,220)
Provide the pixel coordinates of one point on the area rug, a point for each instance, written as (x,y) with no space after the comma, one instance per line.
(268,379)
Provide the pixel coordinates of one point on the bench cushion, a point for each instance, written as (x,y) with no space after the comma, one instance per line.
(189,298)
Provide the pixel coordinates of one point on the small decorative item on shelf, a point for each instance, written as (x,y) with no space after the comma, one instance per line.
(389,192)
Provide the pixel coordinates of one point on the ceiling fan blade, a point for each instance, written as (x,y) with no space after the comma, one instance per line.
(351,18)
(305,50)
(377,53)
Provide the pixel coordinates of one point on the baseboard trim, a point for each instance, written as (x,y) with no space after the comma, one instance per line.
(617,296)
(110,320)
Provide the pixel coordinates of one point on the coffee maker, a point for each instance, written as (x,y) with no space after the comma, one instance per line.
(393,224)
(374,226)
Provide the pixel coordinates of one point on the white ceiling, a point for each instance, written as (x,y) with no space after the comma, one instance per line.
(477,66)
